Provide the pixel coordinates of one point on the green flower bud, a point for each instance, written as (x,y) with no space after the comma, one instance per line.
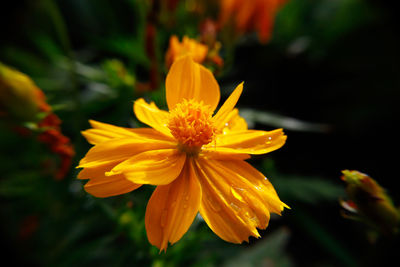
(370,202)
(18,95)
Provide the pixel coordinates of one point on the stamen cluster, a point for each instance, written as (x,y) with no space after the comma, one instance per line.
(191,124)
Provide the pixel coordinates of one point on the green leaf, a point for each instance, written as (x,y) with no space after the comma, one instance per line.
(310,190)
(269,251)
(325,238)
(267,118)
(128,47)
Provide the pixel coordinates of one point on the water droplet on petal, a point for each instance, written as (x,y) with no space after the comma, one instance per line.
(164,217)
(238,193)
(258,187)
(255,221)
(214,205)
(235,207)
(173,204)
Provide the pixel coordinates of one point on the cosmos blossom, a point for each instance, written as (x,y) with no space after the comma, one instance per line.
(194,156)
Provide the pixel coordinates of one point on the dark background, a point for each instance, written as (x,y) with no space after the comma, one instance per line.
(330,63)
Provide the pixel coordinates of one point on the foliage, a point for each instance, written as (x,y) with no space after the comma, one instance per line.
(328,76)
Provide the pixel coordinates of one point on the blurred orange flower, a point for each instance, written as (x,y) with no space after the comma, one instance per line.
(199,52)
(195,158)
(254,15)
(23,101)
(188,46)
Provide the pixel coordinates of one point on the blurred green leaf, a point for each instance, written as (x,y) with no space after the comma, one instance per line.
(47,46)
(321,22)
(310,190)
(275,120)
(20,185)
(270,251)
(88,57)
(307,189)
(126,46)
(26,61)
(117,73)
(327,240)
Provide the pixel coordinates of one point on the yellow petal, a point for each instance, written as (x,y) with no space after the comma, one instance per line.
(117,150)
(247,142)
(234,122)
(172,209)
(189,80)
(258,182)
(102,132)
(222,116)
(101,185)
(95,136)
(151,115)
(119,131)
(156,167)
(235,202)
(222,155)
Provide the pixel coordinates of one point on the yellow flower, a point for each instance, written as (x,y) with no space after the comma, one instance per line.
(188,46)
(195,158)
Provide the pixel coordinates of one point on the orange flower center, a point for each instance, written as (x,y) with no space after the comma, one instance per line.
(192,125)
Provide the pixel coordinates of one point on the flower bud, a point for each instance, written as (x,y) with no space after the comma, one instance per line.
(18,95)
(370,203)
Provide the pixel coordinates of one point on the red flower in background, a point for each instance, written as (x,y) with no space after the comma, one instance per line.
(57,142)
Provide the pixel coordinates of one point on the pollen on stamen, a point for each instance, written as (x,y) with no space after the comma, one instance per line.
(192,125)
